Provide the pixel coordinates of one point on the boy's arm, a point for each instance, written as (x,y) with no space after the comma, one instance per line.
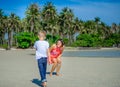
(35,46)
(48,54)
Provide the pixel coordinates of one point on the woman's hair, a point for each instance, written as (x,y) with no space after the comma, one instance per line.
(60,41)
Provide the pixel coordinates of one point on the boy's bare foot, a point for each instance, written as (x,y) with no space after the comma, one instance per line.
(44,84)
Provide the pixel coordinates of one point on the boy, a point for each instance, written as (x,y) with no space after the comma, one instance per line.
(42,53)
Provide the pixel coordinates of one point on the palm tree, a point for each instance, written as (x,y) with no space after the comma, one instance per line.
(97,21)
(24,25)
(77,27)
(66,23)
(2,31)
(114,27)
(102,29)
(33,18)
(76,24)
(17,28)
(89,27)
(49,18)
(119,28)
(12,26)
(106,32)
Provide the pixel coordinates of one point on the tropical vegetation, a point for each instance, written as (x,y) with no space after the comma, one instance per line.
(22,33)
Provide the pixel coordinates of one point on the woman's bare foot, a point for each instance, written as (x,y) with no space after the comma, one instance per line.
(50,74)
(57,74)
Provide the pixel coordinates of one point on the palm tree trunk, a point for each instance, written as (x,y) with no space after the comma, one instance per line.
(9,41)
(32,26)
(2,38)
(16,44)
(70,39)
(31,30)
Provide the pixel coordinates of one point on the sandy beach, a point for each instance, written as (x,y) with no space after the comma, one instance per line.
(18,68)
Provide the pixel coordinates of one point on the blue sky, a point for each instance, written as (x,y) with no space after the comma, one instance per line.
(107,10)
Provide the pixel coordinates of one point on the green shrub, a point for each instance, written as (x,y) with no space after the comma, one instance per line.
(66,41)
(108,43)
(25,39)
(80,43)
(4,46)
(111,40)
(87,40)
(24,45)
(116,38)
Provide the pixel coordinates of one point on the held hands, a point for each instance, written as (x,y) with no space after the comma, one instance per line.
(49,60)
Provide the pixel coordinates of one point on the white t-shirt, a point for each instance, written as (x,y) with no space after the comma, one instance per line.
(41,48)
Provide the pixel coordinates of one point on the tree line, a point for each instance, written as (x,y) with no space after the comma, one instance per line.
(74,31)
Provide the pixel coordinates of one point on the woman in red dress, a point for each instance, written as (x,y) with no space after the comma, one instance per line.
(55,56)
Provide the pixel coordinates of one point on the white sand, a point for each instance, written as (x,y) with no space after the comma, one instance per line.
(18,68)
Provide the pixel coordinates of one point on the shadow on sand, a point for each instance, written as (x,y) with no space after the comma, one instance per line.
(37,82)
(54,73)
(32,54)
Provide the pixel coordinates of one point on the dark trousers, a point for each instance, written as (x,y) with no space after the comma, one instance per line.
(42,65)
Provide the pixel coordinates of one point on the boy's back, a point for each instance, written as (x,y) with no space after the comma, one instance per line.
(41,48)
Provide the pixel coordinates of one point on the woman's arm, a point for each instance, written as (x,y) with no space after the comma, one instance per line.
(59,56)
(62,49)
(53,46)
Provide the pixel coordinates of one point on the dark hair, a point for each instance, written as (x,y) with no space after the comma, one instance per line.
(60,41)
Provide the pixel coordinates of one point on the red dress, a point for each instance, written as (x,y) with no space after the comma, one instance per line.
(55,52)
